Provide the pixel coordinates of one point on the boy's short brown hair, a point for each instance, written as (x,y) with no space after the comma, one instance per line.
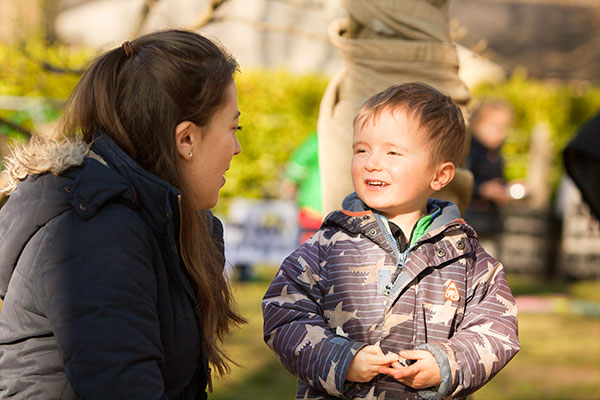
(437,115)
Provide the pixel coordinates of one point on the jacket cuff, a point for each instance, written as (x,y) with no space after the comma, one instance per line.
(344,361)
(445,373)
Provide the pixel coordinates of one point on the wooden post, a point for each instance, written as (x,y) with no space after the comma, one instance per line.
(538,170)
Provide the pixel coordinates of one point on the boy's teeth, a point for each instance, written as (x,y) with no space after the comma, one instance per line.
(376,183)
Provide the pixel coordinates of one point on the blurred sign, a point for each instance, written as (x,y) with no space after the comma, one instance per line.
(260,231)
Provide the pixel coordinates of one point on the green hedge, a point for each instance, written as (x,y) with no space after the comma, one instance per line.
(279,109)
(35,69)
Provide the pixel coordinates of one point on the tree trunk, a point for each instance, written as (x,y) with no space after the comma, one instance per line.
(384,43)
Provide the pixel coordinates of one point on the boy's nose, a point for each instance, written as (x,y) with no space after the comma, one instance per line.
(373,163)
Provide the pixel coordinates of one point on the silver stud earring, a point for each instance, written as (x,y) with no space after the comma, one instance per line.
(190,154)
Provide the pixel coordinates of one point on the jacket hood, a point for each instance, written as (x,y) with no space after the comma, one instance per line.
(41,156)
(449,212)
(46,179)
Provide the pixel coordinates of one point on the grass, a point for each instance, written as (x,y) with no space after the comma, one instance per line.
(259,375)
(559,357)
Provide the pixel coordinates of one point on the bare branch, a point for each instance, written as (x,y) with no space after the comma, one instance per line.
(565,3)
(49,67)
(582,55)
(273,28)
(302,3)
(144,14)
(16,127)
(208,15)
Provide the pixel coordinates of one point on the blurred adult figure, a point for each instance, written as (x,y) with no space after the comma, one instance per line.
(489,126)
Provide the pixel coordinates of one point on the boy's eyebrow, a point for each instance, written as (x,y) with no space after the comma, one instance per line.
(396,145)
(386,144)
(356,143)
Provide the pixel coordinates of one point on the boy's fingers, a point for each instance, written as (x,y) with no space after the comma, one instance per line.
(391,358)
(380,359)
(372,349)
(387,370)
(413,354)
(404,372)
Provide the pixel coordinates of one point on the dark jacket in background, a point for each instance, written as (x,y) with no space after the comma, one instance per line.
(485,164)
(582,162)
(97,303)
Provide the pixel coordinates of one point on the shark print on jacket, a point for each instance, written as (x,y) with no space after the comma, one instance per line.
(348,286)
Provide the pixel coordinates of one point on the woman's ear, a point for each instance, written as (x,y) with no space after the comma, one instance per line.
(184,138)
(444,174)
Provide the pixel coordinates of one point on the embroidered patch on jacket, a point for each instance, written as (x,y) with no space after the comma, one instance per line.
(451,292)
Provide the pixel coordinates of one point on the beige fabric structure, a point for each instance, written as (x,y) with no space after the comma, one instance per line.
(383,42)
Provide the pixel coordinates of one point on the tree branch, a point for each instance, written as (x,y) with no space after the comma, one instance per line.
(16,127)
(208,15)
(273,28)
(49,67)
(144,13)
(302,3)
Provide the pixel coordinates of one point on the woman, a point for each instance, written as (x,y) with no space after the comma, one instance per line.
(111,269)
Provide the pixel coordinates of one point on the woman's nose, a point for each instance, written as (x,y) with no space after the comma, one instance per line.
(237,147)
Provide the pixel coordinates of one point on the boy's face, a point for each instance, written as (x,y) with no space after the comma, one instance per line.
(391,168)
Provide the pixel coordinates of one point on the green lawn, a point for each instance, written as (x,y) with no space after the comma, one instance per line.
(559,357)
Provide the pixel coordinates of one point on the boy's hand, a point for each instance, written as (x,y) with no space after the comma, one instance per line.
(367,362)
(422,374)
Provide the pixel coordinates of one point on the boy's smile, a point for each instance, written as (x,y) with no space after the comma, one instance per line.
(391,168)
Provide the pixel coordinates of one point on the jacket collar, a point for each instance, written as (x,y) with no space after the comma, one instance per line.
(158,200)
(157,197)
(449,211)
(357,217)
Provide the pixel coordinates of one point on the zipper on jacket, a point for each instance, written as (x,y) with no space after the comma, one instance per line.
(385,284)
(390,240)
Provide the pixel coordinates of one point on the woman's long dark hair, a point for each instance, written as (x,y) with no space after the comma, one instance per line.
(138,99)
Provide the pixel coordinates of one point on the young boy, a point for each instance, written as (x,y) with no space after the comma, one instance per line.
(394,298)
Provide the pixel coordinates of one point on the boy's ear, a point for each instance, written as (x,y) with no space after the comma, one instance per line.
(185,136)
(444,174)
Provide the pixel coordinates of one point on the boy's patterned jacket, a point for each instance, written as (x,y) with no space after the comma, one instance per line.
(349,286)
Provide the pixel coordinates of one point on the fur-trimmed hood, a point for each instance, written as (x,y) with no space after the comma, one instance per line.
(47,178)
(41,156)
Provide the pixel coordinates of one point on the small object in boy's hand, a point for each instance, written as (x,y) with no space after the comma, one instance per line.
(405,362)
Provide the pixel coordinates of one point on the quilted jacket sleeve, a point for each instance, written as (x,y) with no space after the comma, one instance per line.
(100,290)
(294,325)
(487,338)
